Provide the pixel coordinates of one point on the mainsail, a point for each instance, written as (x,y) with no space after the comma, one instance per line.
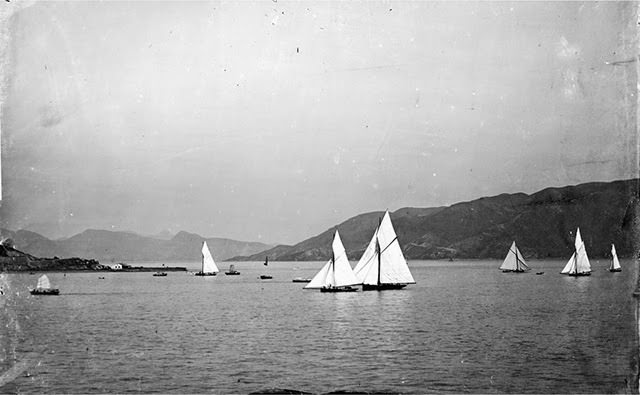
(43,282)
(337,271)
(383,261)
(514,261)
(579,262)
(615,263)
(208,264)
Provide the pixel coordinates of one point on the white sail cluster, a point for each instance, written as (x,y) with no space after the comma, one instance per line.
(514,261)
(579,262)
(337,271)
(383,261)
(208,264)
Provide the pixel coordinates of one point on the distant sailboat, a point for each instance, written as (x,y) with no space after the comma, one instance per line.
(209,267)
(266,276)
(578,264)
(514,262)
(382,266)
(44,287)
(336,275)
(615,263)
(232,271)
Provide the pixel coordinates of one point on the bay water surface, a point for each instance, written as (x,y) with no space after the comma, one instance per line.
(463,327)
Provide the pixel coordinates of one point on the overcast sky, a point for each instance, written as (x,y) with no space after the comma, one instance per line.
(273,121)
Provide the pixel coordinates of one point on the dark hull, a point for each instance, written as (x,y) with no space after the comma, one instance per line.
(513,271)
(205,274)
(265,277)
(232,273)
(382,287)
(540,273)
(39,291)
(301,280)
(579,274)
(159,274)
(615,270)
(338,289)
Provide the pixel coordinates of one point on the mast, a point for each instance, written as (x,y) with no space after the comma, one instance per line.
(378,252)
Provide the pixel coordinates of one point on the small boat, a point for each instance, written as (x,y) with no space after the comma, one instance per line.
(539,273)
(232,271)
(514,262)
(336,275)
(209,267)
(44,287)
(615,263)
(382,265)
(159,274)
(301,280)
(578,264)
(266,276)
(100,278)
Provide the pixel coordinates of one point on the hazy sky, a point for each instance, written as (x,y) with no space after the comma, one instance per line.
(272,121)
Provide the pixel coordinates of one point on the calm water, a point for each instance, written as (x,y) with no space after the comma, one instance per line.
(464,327)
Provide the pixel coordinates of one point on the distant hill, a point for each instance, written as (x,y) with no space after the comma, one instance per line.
(543,225)
(108,246)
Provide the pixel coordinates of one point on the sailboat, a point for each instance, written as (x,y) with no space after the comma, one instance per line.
(266,276)
(44,287)
(232,271)
(578,264)
(615,263)
(336,275)
(514,262)
(209,267)
(382,266)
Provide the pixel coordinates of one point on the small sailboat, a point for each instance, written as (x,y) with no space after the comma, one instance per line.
(266,276)
(336,275)
(382,265)
(209,267)
(578,264)
(159,274)
(615,263)
(514,262)
(44,287)
(232,271)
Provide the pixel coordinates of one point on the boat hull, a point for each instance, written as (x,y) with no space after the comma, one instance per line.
(514,271)
(615,270)
(338,289)
(232,273)
(265,277)
(301,280)
(40,291)
(382,287)
(579,274)
(159,274)
(205,274)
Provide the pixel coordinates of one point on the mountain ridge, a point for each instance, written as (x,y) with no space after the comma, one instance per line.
(543,225)
(123,246)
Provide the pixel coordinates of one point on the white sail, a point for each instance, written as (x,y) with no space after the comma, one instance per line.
(384,252)
(570,266)
(514,260)
(615,263)
(43,282)
(337,272)
(582,260)
(208,264)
